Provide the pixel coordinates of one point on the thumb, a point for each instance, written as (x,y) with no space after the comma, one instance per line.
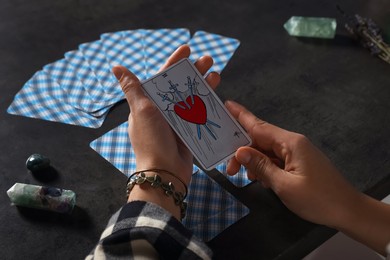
(259,166)
(130,84)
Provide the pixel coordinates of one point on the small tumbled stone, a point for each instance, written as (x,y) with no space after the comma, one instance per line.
(316,27)
(37,162)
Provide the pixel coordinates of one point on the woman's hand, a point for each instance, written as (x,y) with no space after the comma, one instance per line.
(155,144)
(307,182)
(288,163)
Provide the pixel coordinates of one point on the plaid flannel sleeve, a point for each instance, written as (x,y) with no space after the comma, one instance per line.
(142,229)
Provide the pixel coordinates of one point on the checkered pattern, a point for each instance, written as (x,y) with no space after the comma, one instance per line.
(126,48)
(96,58)
(41,98)
(145,51)
(158,47)
(240,179)
(89,80)
(210,208)
(219,47)
(74,92)
(139,227)
(115,147)
(80,89)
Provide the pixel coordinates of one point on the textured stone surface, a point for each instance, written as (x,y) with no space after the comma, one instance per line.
(333,91)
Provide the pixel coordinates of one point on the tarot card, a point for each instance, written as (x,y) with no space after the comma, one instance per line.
(41,98)
(125,48)
(75,93)
(95,56)
(89,79)
(219,47)
(196,114)
(159,45)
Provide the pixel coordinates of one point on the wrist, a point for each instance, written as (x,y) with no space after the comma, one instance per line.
(350,213)
(151,185)
(182,173)
(368,223)
(166,176)
(346,211)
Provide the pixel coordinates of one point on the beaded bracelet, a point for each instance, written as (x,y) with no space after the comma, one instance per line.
(156,182)
(165,172)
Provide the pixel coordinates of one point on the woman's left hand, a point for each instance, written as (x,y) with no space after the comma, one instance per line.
(155,144)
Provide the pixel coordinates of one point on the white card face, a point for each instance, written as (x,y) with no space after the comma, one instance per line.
(196,114)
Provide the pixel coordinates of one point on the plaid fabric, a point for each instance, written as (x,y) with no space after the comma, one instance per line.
(145,230)
(210,208)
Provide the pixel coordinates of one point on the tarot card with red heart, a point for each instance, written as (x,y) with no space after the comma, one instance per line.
(196,114)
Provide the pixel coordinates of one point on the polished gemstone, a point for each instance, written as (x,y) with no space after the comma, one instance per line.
(41,197)
(316,27)
(37,162)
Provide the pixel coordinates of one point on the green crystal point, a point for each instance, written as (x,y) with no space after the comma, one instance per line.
(317,27)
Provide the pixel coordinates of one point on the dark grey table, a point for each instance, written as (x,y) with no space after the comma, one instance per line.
(333,91)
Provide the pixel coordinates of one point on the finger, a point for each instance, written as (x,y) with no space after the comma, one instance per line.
(266,136)
(203,64)
(260,167)
(181,53)
(233,166)
(130,84)
(213,79)
(246,118)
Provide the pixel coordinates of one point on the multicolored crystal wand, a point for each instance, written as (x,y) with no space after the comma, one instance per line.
(39,197)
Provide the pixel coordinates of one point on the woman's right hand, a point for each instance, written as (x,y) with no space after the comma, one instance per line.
(307,182)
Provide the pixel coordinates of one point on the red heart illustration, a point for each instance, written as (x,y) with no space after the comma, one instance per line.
(196,114)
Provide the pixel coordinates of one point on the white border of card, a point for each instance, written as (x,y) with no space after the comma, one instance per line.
(196,114)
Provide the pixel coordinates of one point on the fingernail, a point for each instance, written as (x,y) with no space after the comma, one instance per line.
(118,72)
(244,157)
(230,103)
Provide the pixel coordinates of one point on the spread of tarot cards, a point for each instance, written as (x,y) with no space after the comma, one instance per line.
(196,114)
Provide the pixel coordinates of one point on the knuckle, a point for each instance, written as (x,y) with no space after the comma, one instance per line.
(259,121)
(300,140)
(258,124)
(126,86)
(261,166)
(127,83)
(145,107)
